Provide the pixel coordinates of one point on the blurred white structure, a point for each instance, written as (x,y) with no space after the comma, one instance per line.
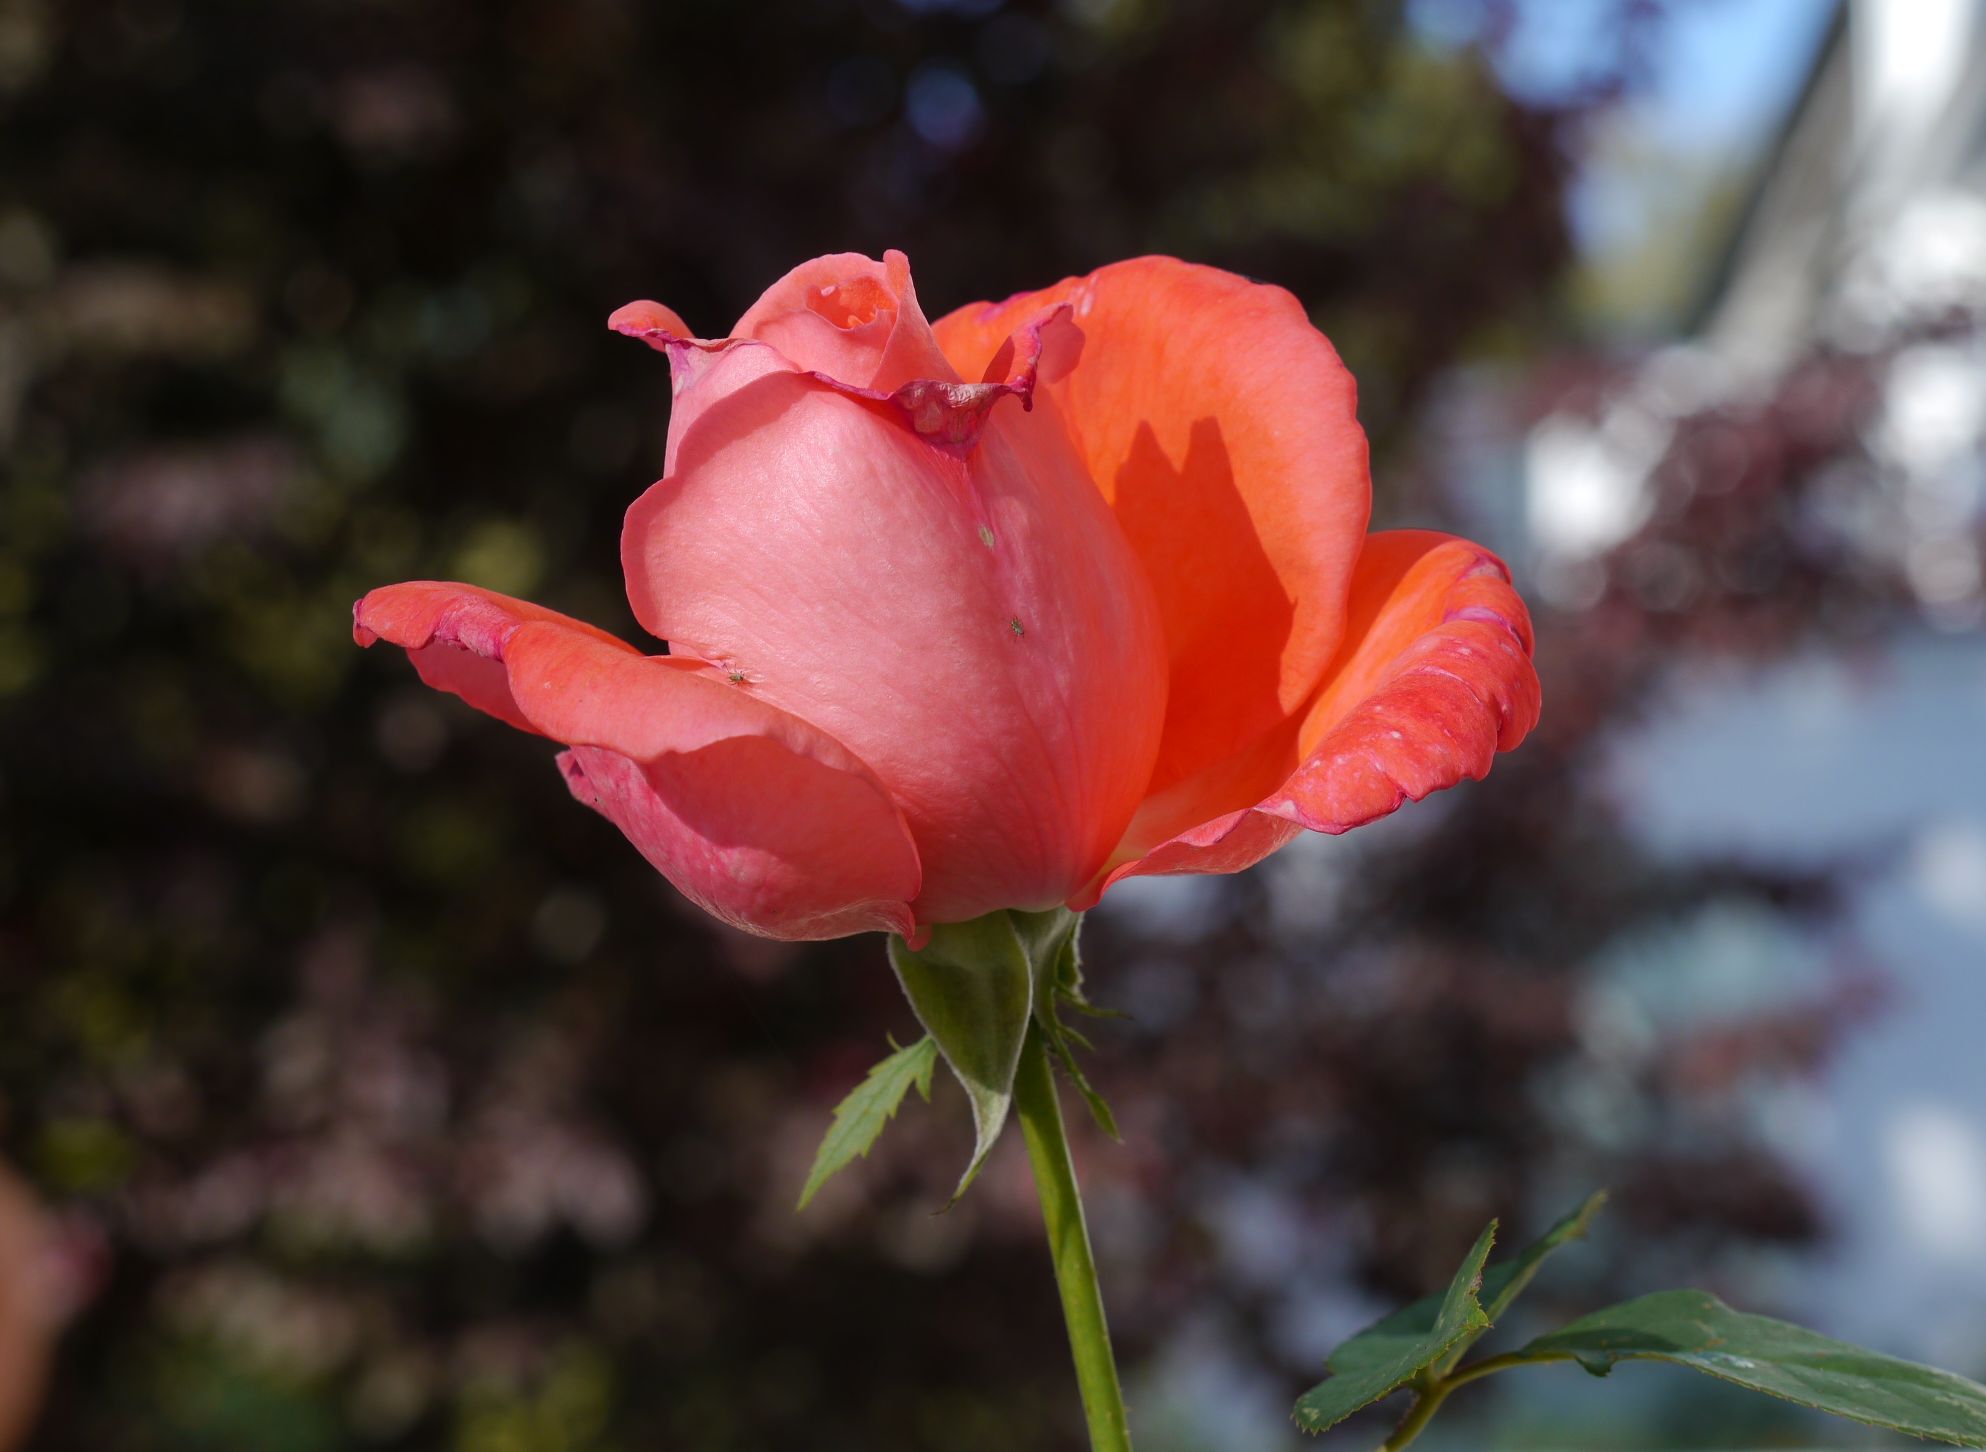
(1865,228)
(1864,233)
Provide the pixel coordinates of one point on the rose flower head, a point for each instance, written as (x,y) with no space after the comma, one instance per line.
(993,613)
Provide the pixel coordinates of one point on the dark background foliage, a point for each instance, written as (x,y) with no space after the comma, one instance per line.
(395,1102)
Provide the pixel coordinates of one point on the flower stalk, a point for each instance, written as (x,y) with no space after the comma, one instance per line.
(1040,1112)
(1431,1391)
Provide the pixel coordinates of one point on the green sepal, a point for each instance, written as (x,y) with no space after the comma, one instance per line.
(1380,1360)
(972,987)
(976,986)
(1695,1329)
(873,1103)
(1053,945)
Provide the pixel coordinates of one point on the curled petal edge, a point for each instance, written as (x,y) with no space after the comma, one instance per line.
(1437,713)
(945,413)
(749,810)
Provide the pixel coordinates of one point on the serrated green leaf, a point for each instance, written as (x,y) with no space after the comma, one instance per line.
(1381,1362)
(972,988)
(1502,1284)
(1505,1281)
(1695,1329)
(860,1118)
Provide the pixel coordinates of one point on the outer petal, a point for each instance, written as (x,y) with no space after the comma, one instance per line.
(935,583)
(1435,678)
(1221,427)
(757,816)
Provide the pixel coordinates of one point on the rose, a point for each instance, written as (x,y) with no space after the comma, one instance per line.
(985,617)
(991,615)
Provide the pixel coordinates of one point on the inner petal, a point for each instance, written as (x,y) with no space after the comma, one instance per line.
(852,319)
(852,302)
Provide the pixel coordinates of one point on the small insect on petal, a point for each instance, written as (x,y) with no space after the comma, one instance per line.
(986,536)
(1016,626)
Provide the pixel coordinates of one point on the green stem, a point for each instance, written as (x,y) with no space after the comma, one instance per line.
(1431,1395)
(1040,1114)
(1491,1365)
(1426,1404)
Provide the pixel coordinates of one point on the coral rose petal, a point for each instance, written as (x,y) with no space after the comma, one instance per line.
(928,577)
(1442,682)
(649,321)
(1222,429)
(455,636)
(851,318)
(1434,679)
(757,816)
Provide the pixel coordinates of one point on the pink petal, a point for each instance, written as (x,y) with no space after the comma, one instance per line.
(940,408)
(852,319)
(755,815)
(945,593)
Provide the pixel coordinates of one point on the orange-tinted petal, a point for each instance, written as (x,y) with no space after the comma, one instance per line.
(1441,682)
(757,816)
(1434,679)
(1222,429)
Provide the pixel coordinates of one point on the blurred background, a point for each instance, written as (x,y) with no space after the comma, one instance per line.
(375,1096)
